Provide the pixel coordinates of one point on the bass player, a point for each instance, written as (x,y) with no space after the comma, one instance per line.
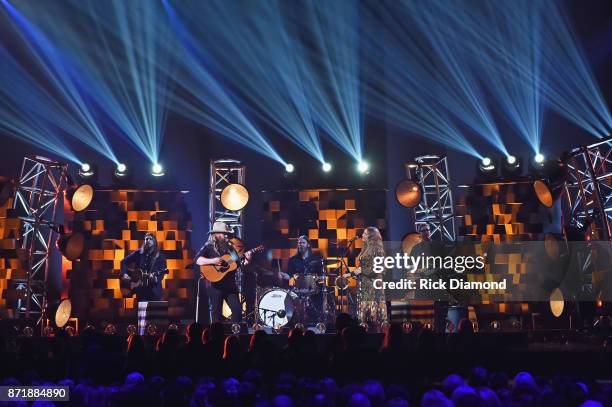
(210,254)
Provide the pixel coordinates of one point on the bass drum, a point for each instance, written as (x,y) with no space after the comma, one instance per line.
(276,307)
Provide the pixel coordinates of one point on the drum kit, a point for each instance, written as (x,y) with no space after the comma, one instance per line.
(309,299)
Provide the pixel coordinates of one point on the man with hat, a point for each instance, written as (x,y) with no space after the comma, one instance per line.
(218,244)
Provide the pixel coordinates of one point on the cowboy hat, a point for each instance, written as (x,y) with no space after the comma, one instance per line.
(221,227)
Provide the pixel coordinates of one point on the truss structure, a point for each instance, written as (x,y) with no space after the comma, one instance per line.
(41,186)
(589,188)
(436,207)
(222,173)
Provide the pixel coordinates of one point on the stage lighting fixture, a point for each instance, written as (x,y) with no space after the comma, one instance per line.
(234,197)
(86,171)
(556,302)
(80,197)
(513,166)
(71,245)
(157,170)
(410,241)
(408,193)
(289,168)
(131,330)
(363,167)
(110,329)
(486,165)
(326,167)
(539,158)
(62,314)
(121,170)
(549,188)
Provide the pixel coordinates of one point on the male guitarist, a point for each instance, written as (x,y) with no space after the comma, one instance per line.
(143,270)
(210,254)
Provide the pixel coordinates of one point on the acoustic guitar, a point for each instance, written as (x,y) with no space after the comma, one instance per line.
(229,263)
(140,278)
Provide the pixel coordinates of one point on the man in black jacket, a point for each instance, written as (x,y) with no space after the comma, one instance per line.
(148,260)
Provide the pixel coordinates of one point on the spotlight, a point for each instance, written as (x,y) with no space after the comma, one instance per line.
(131,330)
(121,170)
(59,312)
(539,158)
(410,241)
(234,197)
(71,245)
(556,302)
(80,197)
(87,173)
(326,167)
(487,169)
(408,193)
(363,167)
(486,165)
(86,170)
(512,166)
(549,189)
(110,329)
(157,170)
(151,329)
(289,168)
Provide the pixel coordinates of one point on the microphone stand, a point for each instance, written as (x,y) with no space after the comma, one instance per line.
(343,264)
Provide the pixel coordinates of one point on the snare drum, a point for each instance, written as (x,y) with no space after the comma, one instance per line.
(276,307)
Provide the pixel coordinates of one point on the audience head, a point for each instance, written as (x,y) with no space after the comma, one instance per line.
(194,332)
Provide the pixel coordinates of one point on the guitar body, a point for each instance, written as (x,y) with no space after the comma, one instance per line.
(139,278)
(214,273)
(229,263)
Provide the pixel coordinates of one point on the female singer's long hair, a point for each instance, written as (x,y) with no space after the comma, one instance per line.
(372,244)
(154,250)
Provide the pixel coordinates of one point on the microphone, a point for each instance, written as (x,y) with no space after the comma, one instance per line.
(354,238)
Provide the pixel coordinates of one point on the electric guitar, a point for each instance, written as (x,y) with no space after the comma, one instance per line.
(229,263)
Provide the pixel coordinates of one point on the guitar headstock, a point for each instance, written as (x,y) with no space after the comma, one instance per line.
(258,249)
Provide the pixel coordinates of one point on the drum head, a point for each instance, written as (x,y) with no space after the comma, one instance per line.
(276,308)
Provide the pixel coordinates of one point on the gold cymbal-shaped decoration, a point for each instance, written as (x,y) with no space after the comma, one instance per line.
(408,193)
(557,302)
(234,197)
(409,241)
(82,197)
(62,315)
(544,193)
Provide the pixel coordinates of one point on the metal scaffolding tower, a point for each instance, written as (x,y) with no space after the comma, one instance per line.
(40,189)
(589,188)
(436,206)
(223,173)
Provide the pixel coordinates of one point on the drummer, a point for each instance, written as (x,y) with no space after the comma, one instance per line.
(304,262)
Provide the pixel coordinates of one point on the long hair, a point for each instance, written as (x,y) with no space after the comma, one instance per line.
(372,245)
(154,250)
(220,247)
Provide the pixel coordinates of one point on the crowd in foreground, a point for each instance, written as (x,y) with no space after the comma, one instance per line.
(206,367)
